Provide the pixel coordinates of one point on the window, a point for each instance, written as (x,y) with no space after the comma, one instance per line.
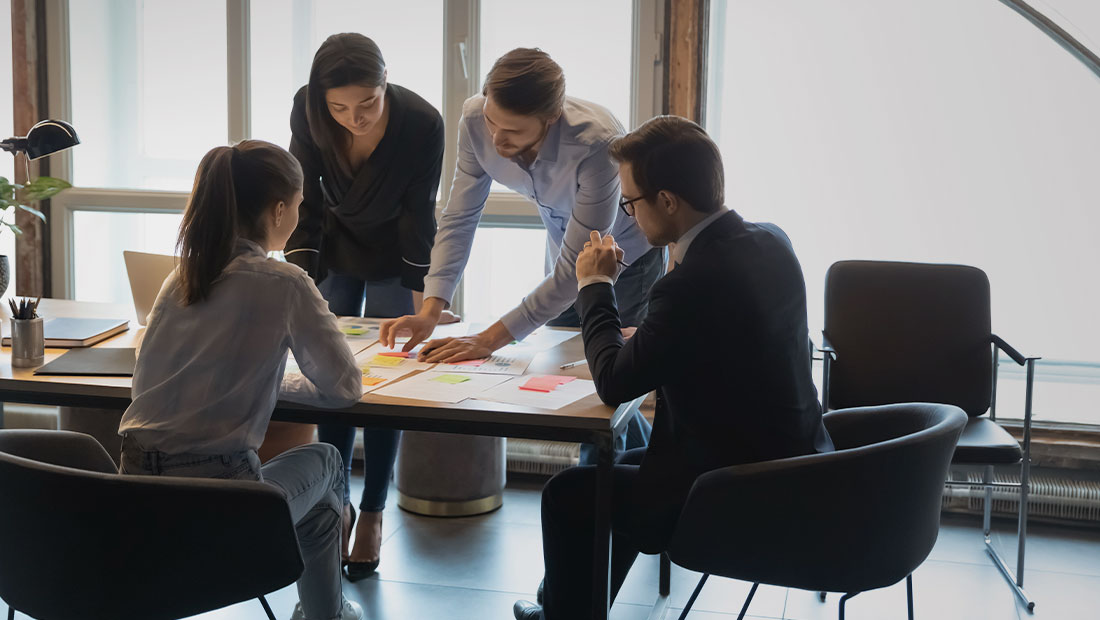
(286,34)
(147,112)
(7,162)
(594,52)
(101,237)
(842,125)
(505,264)
(148,88)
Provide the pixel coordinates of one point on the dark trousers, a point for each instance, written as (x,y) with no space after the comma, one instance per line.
(350,296)
(568,533)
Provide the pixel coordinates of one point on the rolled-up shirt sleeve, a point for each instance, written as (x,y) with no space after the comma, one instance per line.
(595,209)
(459,220)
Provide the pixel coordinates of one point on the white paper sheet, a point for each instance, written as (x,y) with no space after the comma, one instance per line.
(387,376)
(509,392)
(432,386)
(506,361)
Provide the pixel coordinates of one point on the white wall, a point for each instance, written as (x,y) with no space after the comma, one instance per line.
(941,130)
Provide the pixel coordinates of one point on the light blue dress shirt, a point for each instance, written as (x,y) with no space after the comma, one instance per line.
(574,186)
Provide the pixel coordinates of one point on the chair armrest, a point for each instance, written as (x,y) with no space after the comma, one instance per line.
(826,347)
(1016,356)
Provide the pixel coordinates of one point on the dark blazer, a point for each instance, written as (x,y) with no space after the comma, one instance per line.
(726,346)
(379,221)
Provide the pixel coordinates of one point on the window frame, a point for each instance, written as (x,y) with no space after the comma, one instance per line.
(461,75)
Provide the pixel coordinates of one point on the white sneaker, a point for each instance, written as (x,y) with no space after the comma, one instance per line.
(350,611)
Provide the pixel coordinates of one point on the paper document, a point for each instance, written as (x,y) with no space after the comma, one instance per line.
(563,394)
(506,361)
(376,378)
(443,387)
(359,332)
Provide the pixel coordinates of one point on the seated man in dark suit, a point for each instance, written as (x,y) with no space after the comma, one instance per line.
(725,345)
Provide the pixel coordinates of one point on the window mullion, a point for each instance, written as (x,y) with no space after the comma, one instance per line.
(238,71)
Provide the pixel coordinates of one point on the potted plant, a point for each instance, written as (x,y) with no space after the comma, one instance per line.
(15,196)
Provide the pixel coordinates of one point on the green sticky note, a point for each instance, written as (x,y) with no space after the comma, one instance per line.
(452,379)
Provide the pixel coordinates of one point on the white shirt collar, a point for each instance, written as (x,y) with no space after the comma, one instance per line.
(682,244)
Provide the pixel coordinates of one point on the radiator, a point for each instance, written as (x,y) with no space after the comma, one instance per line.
(532,456)
(1051,498)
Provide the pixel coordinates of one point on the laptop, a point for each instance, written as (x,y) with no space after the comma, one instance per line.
(147,273)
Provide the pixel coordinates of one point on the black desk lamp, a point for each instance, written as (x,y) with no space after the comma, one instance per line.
(45,138)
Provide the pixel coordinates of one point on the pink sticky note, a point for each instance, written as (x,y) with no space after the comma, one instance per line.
(545,383)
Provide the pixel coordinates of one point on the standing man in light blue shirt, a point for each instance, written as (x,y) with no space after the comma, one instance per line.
(524,133)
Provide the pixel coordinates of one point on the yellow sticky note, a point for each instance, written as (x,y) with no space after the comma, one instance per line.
(370,381)
(383,360)
(452,379)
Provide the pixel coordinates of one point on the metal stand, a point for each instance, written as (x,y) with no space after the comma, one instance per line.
(267,608)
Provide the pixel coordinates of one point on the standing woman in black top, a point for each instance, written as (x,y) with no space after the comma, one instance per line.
(372,154)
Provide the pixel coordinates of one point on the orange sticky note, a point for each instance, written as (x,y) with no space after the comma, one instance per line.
(370,381)
(547,383)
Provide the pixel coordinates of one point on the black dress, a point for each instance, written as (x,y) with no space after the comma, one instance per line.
(378,222)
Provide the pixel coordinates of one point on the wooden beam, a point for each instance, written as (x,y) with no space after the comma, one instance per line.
(686,57)
(30,250)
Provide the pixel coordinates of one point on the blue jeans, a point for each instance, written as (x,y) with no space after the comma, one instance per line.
(632,297)
(311,478)
(350,296)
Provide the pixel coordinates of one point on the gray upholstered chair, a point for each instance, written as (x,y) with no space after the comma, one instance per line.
(79,540)
(827,522)
(904,332)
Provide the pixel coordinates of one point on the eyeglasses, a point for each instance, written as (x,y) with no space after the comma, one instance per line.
(627,204)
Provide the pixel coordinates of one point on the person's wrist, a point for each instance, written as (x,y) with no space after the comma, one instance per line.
(431,308)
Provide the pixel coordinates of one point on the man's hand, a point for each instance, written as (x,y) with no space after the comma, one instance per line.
(600,256)
(451,350)
(416,326)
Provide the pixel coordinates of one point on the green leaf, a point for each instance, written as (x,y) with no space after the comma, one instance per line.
(36,212)
(15,229)
(43,188)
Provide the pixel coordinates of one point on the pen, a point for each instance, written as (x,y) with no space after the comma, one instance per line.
(572,364)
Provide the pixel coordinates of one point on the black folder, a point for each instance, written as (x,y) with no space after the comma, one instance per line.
(93,362)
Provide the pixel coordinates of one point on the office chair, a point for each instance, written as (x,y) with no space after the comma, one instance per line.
(826,521)
(903,332)
(79,540)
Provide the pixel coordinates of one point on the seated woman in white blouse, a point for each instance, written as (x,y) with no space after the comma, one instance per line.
(210,368)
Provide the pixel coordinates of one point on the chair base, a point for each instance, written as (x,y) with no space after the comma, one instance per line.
(1006,572)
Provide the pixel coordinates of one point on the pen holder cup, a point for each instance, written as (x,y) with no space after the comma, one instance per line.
(28,343)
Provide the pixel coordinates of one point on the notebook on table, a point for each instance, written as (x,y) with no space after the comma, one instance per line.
(101,362)
(64,332)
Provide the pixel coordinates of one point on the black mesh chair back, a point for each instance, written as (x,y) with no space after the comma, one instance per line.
(908,332)
(78,540)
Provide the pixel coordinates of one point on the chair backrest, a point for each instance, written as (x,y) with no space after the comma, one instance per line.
(80,541)
(859,518)
(908,332)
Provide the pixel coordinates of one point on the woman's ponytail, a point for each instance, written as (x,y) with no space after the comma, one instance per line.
(233,188)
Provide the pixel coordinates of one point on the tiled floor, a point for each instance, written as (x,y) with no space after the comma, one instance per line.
(474,568)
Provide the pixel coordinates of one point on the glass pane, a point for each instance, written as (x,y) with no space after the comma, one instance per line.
(839,122)
(505,264)
(7,162)
(146,109)
(99,238)
(594,51)
(286,34)
(7,114)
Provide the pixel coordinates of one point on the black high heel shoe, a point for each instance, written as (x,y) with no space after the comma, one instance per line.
(358,571)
